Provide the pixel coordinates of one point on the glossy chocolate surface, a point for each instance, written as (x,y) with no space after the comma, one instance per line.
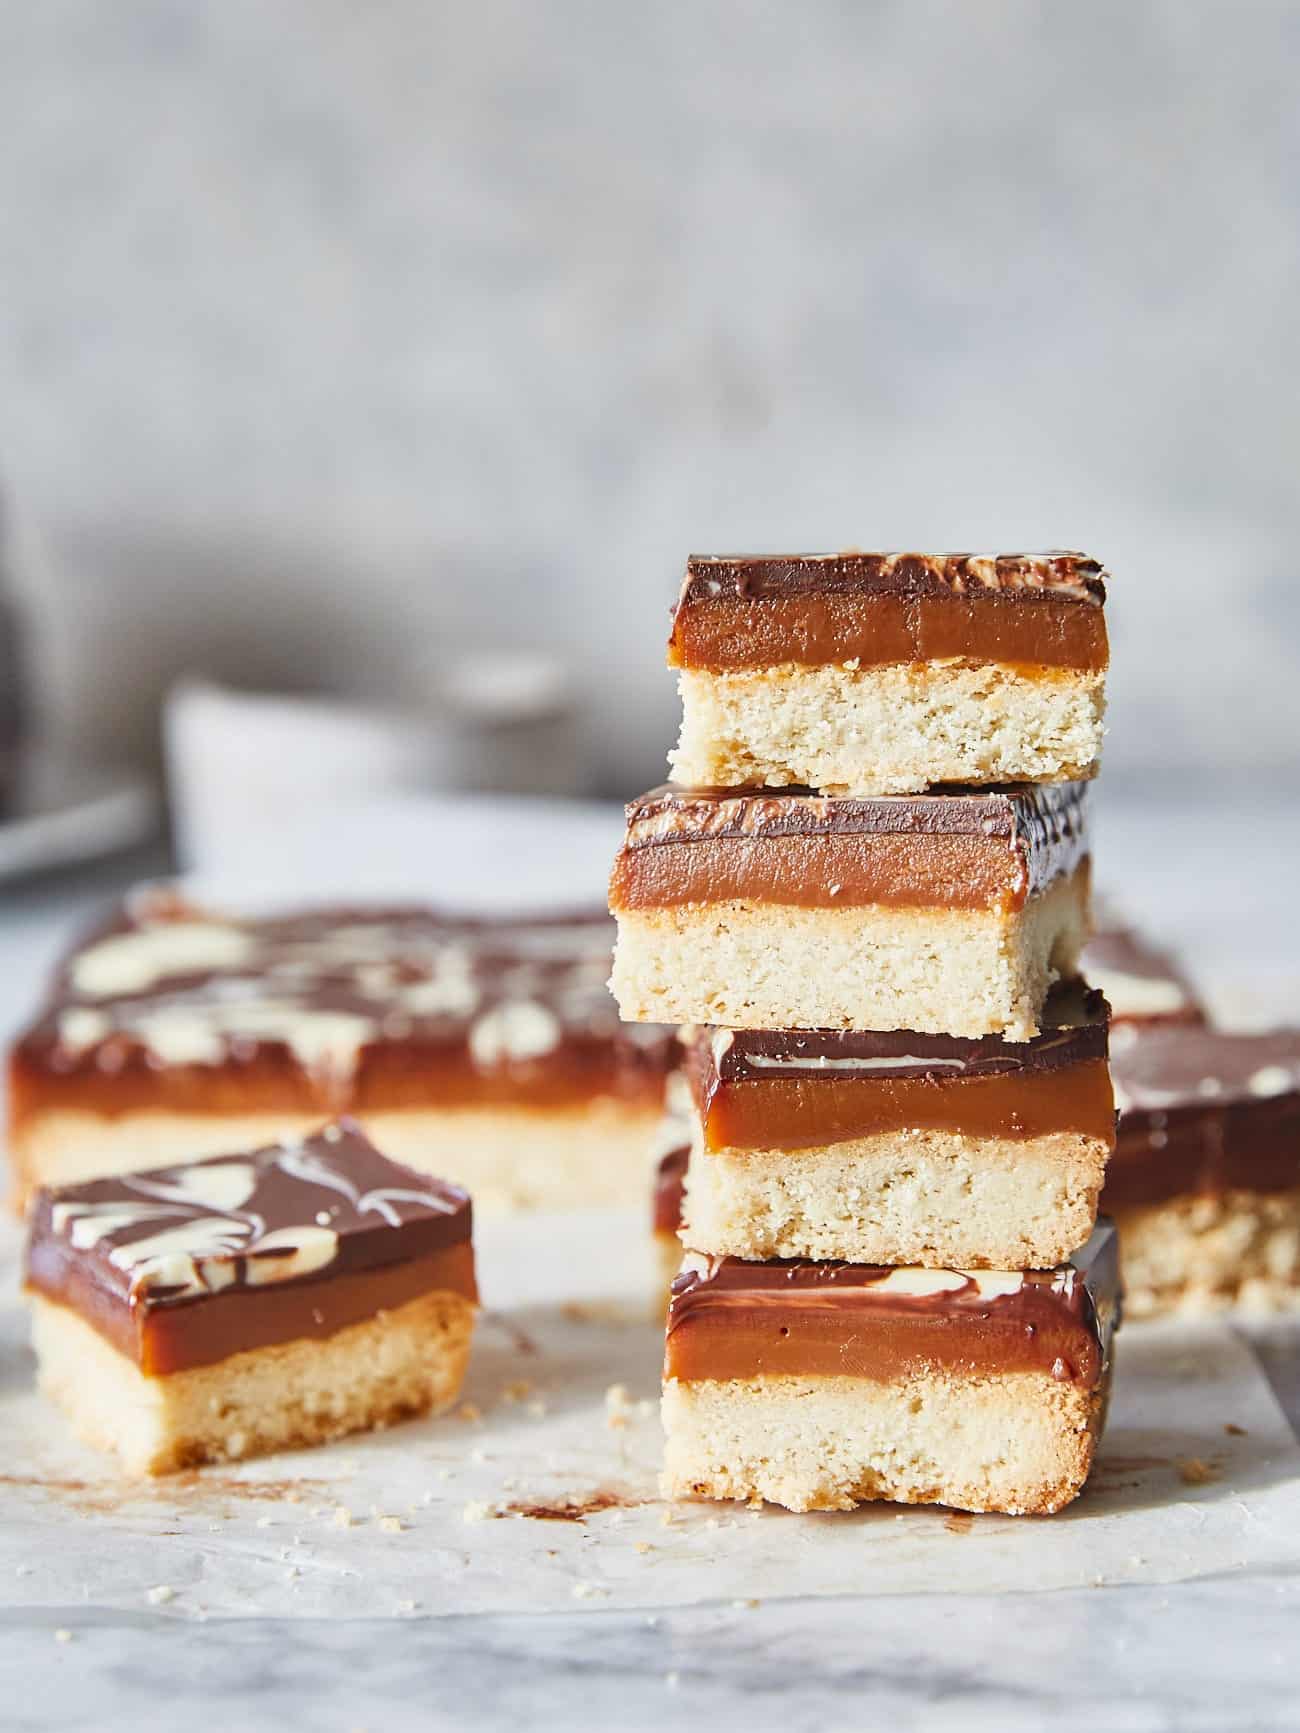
(1141,983)
(802,1089)
(1074,1026)
(184,1266)
(670,1182)
(964,848)
(1202,1112)
(336,1010)
(1041,612)
(729,1319)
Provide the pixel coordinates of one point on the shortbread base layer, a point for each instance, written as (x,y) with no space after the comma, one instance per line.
(752,965)
(911,1197)
(400,1363)
(1198,1255)
(889,730)
(1021,1443)
(508,1159)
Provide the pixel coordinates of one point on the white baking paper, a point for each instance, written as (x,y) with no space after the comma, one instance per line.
(1199,1475)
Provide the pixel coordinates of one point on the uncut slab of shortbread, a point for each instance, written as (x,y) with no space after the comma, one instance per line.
(485,1050)
(880,673)
(950,913)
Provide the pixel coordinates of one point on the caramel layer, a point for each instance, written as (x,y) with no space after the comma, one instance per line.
(821,872)
(210,1330)
(810,1112)
(388,1078)
(1038,633)
(731,1320)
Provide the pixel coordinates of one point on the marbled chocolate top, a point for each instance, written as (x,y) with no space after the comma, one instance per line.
(326,1206)
(1074,1031)
(1202,1112)
(192,987)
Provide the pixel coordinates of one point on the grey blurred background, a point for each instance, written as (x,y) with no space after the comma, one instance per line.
(338,338)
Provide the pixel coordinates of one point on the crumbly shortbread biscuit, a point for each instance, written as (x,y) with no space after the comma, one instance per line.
(1022,1445)
(920,1197)
(863,731)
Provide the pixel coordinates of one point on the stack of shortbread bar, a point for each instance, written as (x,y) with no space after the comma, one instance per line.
(865,899)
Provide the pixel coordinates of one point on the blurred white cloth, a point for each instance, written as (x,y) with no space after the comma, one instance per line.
(477,854)
(249,774)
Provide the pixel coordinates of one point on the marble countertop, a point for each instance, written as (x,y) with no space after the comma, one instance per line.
(1216,1651)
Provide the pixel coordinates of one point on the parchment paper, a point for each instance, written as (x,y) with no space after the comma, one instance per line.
(541,1494)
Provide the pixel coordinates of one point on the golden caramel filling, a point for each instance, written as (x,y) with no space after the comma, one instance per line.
(827,871)
(824,1108)
(1030,632)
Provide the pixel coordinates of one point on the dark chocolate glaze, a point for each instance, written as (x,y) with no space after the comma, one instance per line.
(252,1228)
(670,1182)
(1203,1112)
(1058,576)
(1019,1320)
(1044,826)
(1075,1022)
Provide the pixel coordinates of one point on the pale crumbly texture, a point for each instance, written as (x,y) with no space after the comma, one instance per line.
(1020,1443)
(895,729)
(507,1158)
(934,1198)
(1198,1255)
(407,1361)
(752,965)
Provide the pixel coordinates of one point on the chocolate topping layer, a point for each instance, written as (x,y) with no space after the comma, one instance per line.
(1074,1028)
(670,1181)
(729,1319)
(748,576)
(1142,984)
(808,1089)
(184,1266)
(341,1009)
(961,848)
(868,609)
(1202,1112)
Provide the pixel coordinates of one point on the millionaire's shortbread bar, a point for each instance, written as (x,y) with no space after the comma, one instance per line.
(951,913)
(879,673)
(819,1386)
(252,1301)
(901,1148)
